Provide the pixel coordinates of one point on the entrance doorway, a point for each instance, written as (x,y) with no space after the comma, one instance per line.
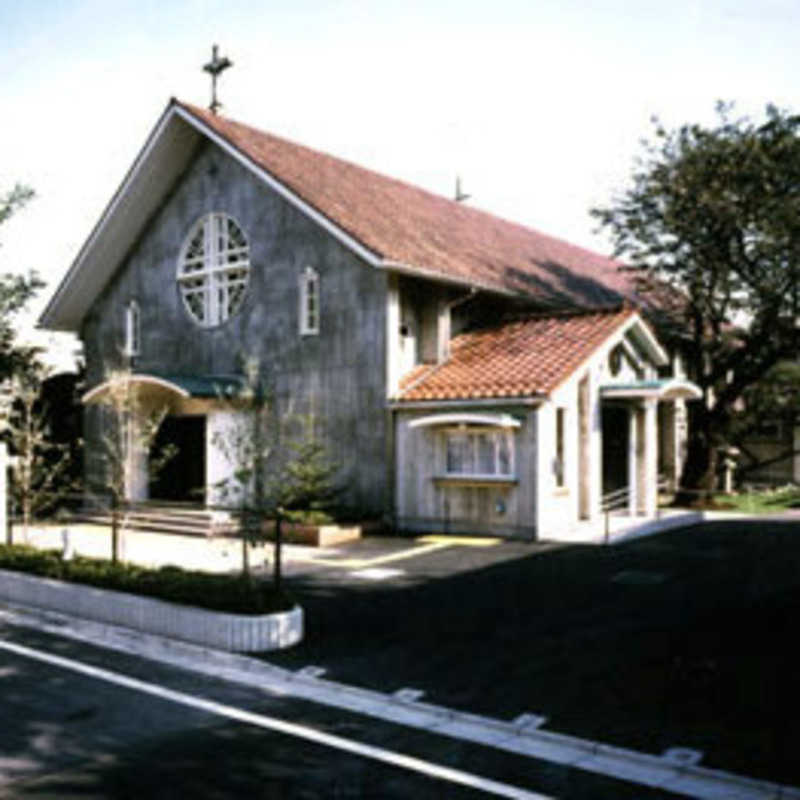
(183,477)
(616,432)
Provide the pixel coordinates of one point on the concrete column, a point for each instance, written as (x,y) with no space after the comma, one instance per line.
(139,478)
(584,450)
(649,498)
(668,441)
(633,461)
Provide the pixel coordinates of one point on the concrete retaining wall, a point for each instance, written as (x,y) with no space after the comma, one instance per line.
(235,632)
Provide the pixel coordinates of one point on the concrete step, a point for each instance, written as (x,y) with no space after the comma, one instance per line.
(186,522)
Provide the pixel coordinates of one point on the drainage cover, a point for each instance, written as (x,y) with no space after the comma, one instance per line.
(684,756)
(638,577)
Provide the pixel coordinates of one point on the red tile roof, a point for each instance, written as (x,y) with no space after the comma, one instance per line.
(404,224)
(526,358)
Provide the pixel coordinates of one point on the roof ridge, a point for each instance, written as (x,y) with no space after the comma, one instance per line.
(449,201)
(555,314)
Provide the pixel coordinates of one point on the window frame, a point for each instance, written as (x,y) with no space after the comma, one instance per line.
(213,275)
(473,434)
(309,295)
(133,330)
(560,461)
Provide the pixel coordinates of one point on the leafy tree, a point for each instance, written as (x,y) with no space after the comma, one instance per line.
(306,484)
(268,482)
(770,407)
(246,444)
(130,430)
(712,219)
(41,470)
(15,292)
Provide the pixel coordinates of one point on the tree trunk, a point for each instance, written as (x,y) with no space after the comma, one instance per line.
(277,576)
(26,516)
(698,480)
(245,524)
(114,529)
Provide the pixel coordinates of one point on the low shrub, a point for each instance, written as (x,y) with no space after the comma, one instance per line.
(233,594)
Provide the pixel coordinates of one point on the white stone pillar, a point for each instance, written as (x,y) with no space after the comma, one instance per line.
(650,458)
(633,461)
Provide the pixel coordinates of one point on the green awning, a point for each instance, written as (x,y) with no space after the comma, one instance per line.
(185,386)
(666,389)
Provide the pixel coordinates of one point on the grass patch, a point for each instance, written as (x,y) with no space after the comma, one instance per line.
(232,594)
(768,501)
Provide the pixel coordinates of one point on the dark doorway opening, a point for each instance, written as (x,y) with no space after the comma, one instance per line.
(183,477)
(616,430)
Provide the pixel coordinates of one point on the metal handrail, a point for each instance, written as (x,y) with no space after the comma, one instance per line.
(617,499)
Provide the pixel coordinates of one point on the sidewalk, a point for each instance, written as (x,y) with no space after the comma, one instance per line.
(150,549)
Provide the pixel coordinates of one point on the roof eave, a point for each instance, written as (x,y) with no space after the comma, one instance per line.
(165,154)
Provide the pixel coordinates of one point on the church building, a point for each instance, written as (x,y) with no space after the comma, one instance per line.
(467,374)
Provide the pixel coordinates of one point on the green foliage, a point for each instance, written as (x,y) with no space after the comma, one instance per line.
(42,470)
(772,403)
(770,501)
(131,427)
(175,585)
(711,227)
(14,200)
(15,292)
(306,481)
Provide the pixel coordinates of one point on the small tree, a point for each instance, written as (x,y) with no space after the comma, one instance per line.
(266,482)
(15,293)
(126,441)
(41,469)
(246,445)
(303,488)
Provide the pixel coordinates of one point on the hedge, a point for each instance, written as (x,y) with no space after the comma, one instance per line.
(233,594)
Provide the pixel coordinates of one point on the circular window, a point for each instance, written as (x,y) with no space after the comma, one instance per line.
(214,269)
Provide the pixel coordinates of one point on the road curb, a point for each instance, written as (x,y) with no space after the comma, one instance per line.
(588,755)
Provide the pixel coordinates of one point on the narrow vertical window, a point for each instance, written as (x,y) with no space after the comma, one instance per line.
(559,465)
(132,329)
(309,302)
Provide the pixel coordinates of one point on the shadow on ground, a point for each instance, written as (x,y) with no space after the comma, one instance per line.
(681,639)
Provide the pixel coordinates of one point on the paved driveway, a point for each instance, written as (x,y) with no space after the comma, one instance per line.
(678,640)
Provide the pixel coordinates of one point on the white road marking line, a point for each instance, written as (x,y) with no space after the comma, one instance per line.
(410,763)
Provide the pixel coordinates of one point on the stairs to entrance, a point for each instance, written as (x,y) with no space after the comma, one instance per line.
(181,519)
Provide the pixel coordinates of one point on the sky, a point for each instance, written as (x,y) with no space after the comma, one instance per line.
(539,105)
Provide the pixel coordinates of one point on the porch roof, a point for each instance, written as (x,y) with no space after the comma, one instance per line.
(529,357)
(203,386)
(665,389)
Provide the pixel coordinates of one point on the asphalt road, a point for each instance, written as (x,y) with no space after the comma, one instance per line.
(65,734)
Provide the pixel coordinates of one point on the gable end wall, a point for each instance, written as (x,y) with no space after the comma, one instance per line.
(338,375)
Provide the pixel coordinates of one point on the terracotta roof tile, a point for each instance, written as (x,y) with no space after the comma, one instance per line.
(404,224)
(526,358)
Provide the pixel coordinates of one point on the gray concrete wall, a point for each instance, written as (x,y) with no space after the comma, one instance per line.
(425,502)
(339,374)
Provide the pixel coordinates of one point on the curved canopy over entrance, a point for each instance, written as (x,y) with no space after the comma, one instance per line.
(166,389)
(667,389)
(163,434)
